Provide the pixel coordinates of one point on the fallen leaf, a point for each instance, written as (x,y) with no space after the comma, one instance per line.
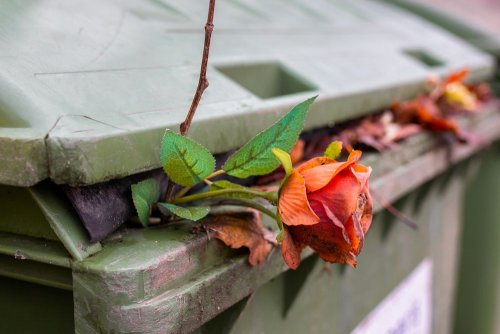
(459,95)
(297,152)
(482,91)
(243,229)
(396,132)
(425,112)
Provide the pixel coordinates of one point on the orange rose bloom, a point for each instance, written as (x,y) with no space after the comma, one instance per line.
(326,205)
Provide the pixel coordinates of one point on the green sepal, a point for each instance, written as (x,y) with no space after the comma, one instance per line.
(281,234)
(185,161)
(333,150)
(285,160)
(256,157)
(193,213)
(144,194)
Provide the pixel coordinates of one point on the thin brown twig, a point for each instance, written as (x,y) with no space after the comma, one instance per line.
(395,212)
(202,84)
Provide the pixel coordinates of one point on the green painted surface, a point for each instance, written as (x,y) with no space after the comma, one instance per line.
(40,250)
(32,308)
(267,80)
(478,302)
(63,220)
(99,82)
(21,214)
(44,212)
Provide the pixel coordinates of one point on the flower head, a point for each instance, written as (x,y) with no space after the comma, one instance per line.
(326,205)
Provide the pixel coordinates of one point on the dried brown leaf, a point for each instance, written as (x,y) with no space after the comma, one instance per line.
(242,230)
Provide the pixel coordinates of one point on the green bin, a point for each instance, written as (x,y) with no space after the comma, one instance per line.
(478,295)
(86,92)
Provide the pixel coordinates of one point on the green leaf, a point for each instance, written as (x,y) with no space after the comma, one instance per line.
(193,213)
(144,194)
(185,161)
(284,159)
(333,150)
(224,184)
(256,157)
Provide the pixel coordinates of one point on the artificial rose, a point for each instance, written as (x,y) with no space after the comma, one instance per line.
(326,205)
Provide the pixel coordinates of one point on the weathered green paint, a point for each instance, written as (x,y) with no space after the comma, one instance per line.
(124,71)
(176,280)
(44,212)
(39,250)
(21,214)
(267,80)
(478,302)
(63,220)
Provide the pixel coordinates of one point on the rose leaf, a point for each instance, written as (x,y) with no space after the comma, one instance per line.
(256,157)
(185,161)
(144,194)
(193,213)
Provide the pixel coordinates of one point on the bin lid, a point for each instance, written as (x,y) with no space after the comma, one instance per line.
(87,88)
(474,21)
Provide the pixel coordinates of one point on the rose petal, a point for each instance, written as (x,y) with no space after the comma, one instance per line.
(362,173)
(290,251)
(340,195)
(356,233)
(314,162)
(319,176)
(367,215)
(293,207)
(337,222)
(344,258)
(326,240)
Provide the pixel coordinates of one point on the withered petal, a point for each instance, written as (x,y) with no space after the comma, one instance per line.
(290,250)
(319,176)
(293,206)
(340,195)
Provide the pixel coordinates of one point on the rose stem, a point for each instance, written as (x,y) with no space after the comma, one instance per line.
(202,83)
(256,193)
(184,190)
(248,204)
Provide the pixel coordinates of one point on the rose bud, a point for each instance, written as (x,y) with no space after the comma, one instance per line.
(326,205)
